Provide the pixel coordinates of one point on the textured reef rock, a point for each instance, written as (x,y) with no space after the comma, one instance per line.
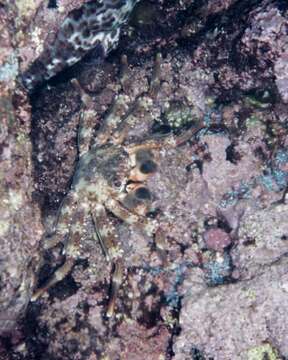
(214,285)
(20,219)
(238,318)
(266,41)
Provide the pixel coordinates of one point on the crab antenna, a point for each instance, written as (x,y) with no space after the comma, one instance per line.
(124,72)
(155,79)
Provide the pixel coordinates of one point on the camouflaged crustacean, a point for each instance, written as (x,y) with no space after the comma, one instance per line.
(111,178)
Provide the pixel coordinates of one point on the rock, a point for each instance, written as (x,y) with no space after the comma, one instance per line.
(230,321)
(262,239)
(20,222)
(216,239)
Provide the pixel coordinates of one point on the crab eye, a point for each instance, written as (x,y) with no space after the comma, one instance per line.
(148,167)
(117,183)
(142,193)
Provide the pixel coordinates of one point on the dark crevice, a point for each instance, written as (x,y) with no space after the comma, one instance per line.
(52,4)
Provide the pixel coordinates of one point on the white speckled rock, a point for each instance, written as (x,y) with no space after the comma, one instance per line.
(227,322)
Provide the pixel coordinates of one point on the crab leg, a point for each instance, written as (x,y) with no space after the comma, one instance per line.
(63,221)
(130,218)
(118,111)
(124,72)
(116,282)
(156,74)
(104,230)
(58,275)
(169,141)
(120,132)
(87,119)
(70,250)
(106,234)
(183,138)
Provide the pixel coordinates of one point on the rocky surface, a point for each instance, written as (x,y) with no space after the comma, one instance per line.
(20,223)
(238,318)
(220,198)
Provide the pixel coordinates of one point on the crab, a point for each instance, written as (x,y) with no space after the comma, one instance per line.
(110,177)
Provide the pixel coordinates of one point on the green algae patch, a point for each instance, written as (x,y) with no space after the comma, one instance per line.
(261,352)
